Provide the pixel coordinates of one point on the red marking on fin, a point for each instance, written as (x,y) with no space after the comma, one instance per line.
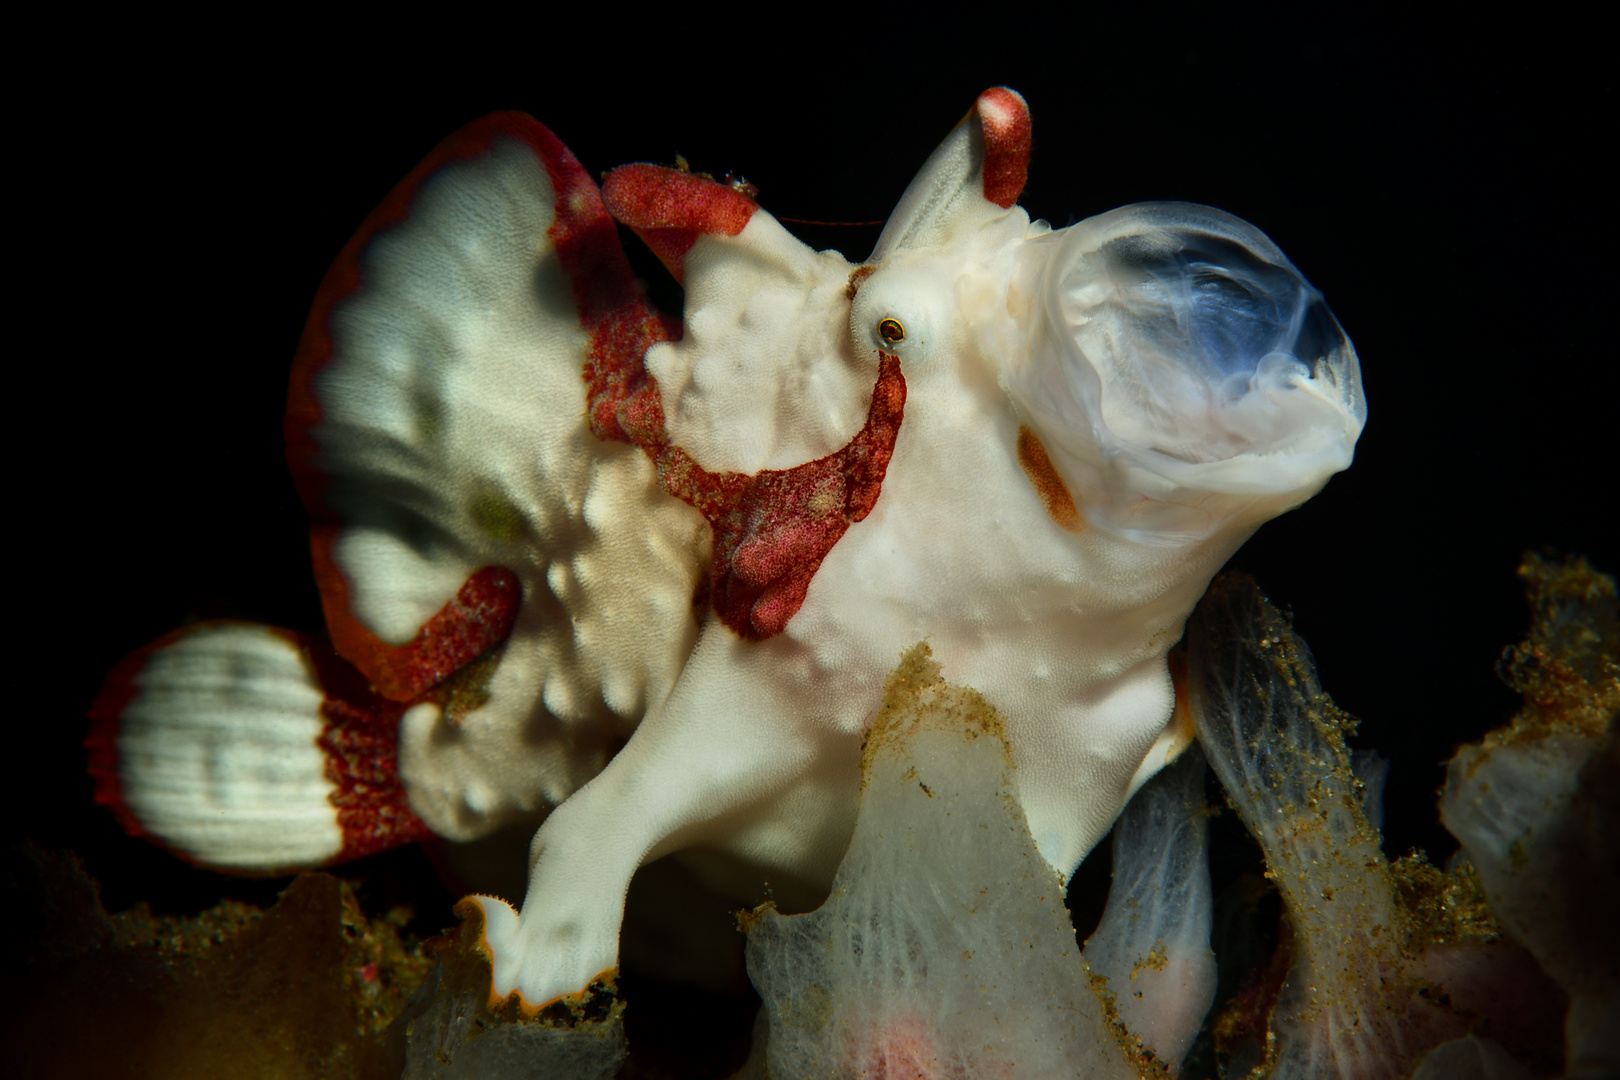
(670,208)
(622,400)
(1004,118)
(771,530)
(476,619)
(360,738)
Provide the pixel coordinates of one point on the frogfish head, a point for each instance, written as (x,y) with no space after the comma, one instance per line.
(1182,374)
(1183,377)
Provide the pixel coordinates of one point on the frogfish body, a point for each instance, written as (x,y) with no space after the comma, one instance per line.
(644,578)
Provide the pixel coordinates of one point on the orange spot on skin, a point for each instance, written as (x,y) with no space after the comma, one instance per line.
(1048,484)
(1181,719)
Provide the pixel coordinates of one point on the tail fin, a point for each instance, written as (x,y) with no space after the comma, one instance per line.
(249,749)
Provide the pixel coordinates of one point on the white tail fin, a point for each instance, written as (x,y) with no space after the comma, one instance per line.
(250,749)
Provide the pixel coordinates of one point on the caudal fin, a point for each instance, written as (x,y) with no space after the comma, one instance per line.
(250,749)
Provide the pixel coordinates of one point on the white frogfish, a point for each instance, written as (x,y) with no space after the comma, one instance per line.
(638,581)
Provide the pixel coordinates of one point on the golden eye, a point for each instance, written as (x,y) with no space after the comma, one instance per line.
(891,331)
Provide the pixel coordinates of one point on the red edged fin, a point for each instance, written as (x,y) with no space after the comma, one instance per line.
(344,279)
(780,524)
(101,741)
(1004,118)
(670,208)
(447,639)
(352,747)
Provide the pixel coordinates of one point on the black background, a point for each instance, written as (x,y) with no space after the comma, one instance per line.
(1440,184)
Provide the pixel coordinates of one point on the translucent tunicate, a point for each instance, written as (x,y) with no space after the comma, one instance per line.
(1349,1006)
(945,949)
(1536,805)
(1152,946)
(1386,969)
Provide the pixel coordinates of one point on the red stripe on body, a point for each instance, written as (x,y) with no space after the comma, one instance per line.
(1004,118)
(772,529)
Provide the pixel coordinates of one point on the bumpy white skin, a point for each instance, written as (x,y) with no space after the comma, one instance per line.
(454,435)
(754,752)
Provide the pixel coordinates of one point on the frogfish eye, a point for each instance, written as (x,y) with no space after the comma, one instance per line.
(891,331)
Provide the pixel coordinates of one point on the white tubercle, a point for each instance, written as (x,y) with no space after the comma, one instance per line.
(758,380)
